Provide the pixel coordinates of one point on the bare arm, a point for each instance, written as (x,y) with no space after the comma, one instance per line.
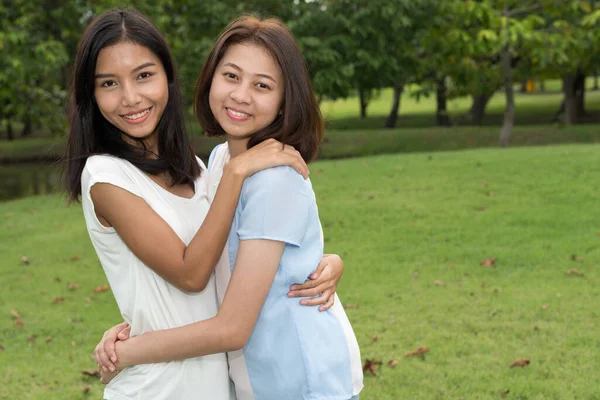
(254,271)
(153,241)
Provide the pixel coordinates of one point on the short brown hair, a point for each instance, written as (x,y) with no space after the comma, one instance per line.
(300,123)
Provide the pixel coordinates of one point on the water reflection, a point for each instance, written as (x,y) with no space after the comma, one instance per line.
(22,180)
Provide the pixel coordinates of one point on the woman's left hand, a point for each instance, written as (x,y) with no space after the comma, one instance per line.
(322,284)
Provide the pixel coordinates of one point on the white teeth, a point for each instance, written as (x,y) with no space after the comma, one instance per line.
(138,115)
(238,114)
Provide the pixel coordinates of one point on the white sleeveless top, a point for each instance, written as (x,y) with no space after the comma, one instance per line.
(148,302)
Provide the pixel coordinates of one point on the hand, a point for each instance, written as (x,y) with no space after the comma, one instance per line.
(105,353)
(322,283)
(268,154)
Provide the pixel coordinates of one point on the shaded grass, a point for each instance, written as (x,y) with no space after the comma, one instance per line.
(436,215)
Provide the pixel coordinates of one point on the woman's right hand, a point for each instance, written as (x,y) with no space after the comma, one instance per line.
(268,154)
(104,353)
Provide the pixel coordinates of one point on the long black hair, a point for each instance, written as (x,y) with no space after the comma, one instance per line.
(90,133)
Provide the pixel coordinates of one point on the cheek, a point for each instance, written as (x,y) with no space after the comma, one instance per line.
(106,103)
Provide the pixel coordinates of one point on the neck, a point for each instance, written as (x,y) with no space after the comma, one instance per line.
(150,142)
(236,146)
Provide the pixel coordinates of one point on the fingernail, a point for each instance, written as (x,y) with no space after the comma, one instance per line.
(303,302)
(290,294)
(113,358)
(313,276)
(112,369)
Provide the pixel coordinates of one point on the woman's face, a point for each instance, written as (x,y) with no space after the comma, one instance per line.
(246,91)
(131,88)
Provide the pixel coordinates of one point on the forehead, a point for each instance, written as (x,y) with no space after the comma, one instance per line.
(124,56)
(252,59)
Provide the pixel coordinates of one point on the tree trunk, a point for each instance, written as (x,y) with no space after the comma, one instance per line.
(570,102)
(542,86)
(27,126)
(477,111)
(9,131)
(596,80)
(364,102)
(393,117)
(580,93)
(524,86)
(509,111)
(441,114)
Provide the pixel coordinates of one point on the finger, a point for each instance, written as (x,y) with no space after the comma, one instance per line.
(320,268)
(311,292)
(308,284)
(125,333)
(328,305)
(315,301)
(104,359)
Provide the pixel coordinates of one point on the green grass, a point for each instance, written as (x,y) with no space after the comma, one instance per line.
(401,222)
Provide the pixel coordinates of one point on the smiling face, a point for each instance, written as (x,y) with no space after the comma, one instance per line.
(246,91)
(131,88)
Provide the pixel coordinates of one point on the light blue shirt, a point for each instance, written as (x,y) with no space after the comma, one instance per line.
(294,352)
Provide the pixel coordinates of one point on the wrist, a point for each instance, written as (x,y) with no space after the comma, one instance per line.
(122,350)
(234,170)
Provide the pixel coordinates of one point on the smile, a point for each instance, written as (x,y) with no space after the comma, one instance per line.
(238,113)
(137,116)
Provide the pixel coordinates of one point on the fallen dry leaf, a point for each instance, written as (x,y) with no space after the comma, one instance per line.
(439,283)
(489,262)
(520,363)
(57,279)
(415,276)
(545,307)
(492,194)
(15,314)
(370,366)
(347,306)
(103,288)
(481,208)
(392,363)
(58,300)
(72,286)
(574,272)
(451,267)
(374,339)
(20,323)
(417,352)
(575,258)
(86,389)
(32,338)
(91,372)
(504,392)
(536,328)
(48,339)
(25,260)
(1,348)
(75,258)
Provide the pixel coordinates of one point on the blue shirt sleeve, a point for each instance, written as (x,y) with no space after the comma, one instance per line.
(275,206)
(212,156)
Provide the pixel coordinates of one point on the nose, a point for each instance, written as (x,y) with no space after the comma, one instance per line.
(130,95)
(241,94)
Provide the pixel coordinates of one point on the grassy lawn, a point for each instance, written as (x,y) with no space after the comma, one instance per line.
(413,230)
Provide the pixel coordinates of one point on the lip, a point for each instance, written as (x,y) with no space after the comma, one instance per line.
(138,120)
(236,117)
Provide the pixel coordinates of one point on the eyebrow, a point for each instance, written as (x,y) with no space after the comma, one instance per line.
(232,65)
(136,69)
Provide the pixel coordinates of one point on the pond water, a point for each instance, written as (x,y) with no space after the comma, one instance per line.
(22,180)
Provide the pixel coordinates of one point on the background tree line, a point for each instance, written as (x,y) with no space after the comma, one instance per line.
(445,49)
